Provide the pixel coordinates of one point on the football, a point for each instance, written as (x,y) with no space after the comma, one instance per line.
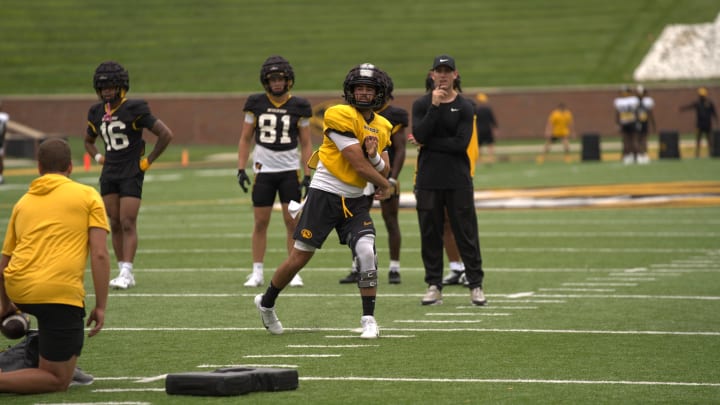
(15,326)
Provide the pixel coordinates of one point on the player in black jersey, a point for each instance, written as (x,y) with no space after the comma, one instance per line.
(277,122)
(399,119)
(486,125)
(120,122)
(705,114)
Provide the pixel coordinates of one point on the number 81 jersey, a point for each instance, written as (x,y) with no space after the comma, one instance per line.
(277,128)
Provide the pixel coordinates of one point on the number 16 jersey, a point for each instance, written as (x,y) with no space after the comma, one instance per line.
(121,132)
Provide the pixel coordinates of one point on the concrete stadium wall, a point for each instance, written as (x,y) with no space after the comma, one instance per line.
(216,119)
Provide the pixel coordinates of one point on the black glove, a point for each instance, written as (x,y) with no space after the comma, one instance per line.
(243,179)
(304,186)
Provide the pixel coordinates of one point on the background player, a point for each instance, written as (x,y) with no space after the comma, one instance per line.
(120,123)
(626,106)
(277,122)
(398,117)
(560,126)
(486,125)
(705,113)
(645,123)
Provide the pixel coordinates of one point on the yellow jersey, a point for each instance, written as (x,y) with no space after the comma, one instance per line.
(560,122)
(346,120)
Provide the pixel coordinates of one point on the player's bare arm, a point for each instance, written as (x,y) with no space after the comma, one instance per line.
(100,268)
(164,135)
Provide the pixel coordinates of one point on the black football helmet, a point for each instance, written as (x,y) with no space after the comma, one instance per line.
(369,75)
(277,64)
(111,74)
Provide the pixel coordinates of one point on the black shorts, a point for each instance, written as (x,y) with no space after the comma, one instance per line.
(125,187)
(485,138)
(267,185)
(628,129)
(61,330)
(323,212)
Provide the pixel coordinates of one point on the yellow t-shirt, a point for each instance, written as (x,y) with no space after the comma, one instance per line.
(560,122)
(47,240)
(345,119)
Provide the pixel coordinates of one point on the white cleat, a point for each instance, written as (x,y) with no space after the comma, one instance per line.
(296,281)
(269,317)
(370,328)
(254,280)
(124,281)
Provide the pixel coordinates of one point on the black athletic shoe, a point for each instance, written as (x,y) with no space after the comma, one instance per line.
(394,277)
(453,278)
(351,278)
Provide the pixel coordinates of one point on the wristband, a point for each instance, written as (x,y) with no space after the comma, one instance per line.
(380,166)
(376,160)
(98,157)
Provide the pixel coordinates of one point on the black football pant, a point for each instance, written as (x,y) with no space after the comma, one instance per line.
(460,205)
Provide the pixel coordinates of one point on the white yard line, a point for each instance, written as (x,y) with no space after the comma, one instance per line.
(439,329)
(508,380)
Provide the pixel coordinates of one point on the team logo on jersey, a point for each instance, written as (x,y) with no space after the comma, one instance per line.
(306,234)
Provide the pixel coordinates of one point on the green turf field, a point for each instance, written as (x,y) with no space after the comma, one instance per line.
(586,305)
(600,305)
(53,46)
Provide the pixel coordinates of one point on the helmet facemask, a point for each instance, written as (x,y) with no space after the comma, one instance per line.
(366,74)
(277,65)
(111,75)
(277,75)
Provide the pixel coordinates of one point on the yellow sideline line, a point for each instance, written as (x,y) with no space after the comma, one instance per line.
(636,189)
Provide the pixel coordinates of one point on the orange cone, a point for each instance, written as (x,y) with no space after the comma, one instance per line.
(86,162)
(185,158)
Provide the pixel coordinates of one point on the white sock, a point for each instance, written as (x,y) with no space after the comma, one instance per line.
(127,266)
(258,268)
(121,265)
(457,266)
(395,265)
(353,266)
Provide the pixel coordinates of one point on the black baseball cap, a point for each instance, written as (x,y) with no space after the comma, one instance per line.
(444,60)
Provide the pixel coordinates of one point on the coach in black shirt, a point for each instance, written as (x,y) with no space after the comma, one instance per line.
(442,123)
